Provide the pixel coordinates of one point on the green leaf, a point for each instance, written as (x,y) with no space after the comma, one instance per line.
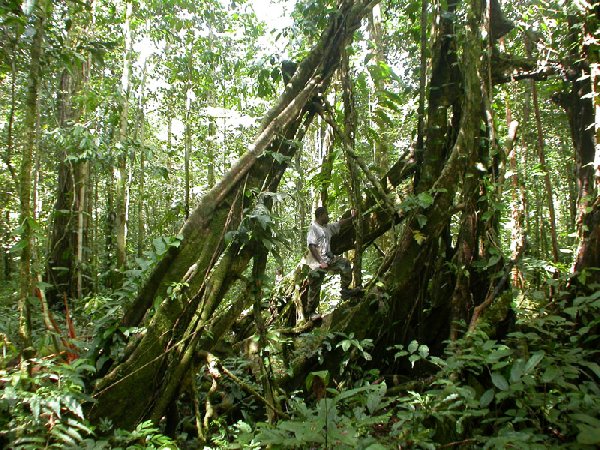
(373,401)
(18,247)
(550,374)
(413,346)
(43,285)
(73,405)
(419,237)
(384,119)
(499,381)
(486,398)
(34,405)
(493,261)
(376,447)
(588,435)
(423,351)
(586,419)
(280,158)
(594,367)
(159,246)
(516,371)
(425,199)
(533,361)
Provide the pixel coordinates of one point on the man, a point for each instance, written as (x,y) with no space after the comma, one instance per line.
(321,260)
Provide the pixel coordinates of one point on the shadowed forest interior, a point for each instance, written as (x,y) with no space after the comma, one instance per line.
(164,168)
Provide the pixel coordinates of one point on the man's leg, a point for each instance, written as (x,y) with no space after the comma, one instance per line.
(315,279)
(342,267)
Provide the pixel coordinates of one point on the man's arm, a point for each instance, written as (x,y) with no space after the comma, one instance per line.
(315,252)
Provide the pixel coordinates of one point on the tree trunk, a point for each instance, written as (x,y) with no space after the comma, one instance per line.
(7,157)
(146,382)
(141,225)
(65,269)
(583,111)
(120,169)
(210,152)
(25,217)
(544,167)
(301,203)
(381,150)
(187,144)
(448,153)
(422,82)
(66,258)
(588,256)
(517,241)
(350,126)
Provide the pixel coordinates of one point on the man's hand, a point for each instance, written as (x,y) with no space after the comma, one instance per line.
(323,265)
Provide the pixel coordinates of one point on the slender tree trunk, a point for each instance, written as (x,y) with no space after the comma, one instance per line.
(25,218)
(517,241)
(141,225)
(11,120)
(547,182)
(549,196)
(422,82)
(301,202)
(7,159)
(466,251)
(186,157)
(326,164)
(120,170)
(94,232)
(350,126)
(381,150)
(82,225)
(573,192)
(109,235)
(210,151)
(266,372)
(6,256)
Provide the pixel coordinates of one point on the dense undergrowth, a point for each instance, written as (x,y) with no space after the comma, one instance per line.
(538,388)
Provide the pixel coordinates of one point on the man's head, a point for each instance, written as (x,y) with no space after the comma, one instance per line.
(321,215)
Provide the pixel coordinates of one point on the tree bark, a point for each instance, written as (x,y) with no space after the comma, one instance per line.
(518,205)
(120,169)
(397,319)
(141,225)
(583,111)
(350,126)
(65,269)
(544,167)
(381,150)
(26,217)
(66,257)
(422,83)
(187,143)
(588,256)
(145,383)
(7,157)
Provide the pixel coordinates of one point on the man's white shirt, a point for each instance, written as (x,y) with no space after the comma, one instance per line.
(320,236)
